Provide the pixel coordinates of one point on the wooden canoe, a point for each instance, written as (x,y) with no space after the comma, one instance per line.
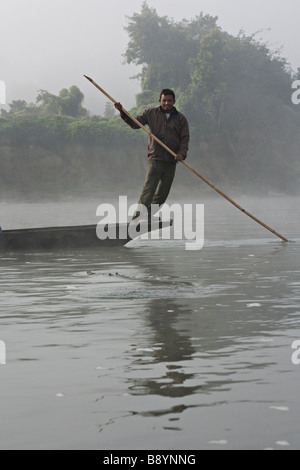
(81,236)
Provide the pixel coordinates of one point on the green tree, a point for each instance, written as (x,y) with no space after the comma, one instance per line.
(68,102)
(17,106)
(163,48)
(48,103)
(235,91)
(71,102)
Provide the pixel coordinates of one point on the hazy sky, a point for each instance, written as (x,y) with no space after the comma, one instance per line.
(50,44)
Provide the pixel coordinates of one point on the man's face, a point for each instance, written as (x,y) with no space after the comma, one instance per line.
(167,102)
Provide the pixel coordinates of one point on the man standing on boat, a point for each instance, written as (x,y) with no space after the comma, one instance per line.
(171,127)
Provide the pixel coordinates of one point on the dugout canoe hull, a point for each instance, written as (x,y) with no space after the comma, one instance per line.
(72,237)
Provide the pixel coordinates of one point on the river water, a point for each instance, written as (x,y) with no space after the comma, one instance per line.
(151,346)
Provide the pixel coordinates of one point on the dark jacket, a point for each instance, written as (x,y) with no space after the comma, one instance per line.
(173,132)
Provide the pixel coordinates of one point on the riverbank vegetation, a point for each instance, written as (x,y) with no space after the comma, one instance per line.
(235,91)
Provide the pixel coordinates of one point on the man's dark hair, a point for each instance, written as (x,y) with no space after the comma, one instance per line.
(167,91)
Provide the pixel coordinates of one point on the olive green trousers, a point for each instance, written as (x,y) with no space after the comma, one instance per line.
(158,182)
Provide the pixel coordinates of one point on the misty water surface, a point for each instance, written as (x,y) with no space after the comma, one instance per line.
(151,346)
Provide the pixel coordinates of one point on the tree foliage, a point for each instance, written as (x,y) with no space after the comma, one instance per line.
(163,48)
(235,91)
(67,103)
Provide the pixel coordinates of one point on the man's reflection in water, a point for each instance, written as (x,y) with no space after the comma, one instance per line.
(170,346)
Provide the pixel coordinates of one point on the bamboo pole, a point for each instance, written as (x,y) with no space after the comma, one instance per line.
(188,166)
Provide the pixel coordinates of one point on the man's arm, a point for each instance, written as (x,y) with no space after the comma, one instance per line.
(142,118)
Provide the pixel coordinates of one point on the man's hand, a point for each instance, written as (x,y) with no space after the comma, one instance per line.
(118,106)
(179,158)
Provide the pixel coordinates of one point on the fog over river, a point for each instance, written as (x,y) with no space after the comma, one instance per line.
(151,346)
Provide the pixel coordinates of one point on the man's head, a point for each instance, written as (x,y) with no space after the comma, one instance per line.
(167,99)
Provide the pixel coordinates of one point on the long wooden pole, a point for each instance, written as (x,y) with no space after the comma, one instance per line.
(188,166)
